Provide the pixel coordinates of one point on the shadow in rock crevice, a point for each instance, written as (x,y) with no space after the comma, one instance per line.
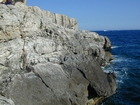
(91,92)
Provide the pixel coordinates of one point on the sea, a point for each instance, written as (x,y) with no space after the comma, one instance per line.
(126,65)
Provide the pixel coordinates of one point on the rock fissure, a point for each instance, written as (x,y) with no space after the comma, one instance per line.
(43,82)
(82,73)
(29,69)
(2,64)
(24,57)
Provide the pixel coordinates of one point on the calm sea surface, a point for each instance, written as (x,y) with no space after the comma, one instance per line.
(126,65)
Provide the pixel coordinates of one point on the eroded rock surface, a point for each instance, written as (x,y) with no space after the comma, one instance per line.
(45,60)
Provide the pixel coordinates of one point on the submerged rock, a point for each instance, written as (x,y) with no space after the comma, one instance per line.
(47,62)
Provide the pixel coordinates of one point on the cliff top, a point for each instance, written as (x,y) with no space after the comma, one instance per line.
(19,18)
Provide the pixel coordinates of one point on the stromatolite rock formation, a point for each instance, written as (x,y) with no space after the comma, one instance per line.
(46,60)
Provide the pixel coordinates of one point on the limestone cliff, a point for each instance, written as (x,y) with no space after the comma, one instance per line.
(46,60)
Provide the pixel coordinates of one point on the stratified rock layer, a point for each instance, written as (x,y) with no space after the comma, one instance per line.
(45,60)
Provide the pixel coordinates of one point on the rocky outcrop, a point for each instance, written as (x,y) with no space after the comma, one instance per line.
(44,61)
(22,19)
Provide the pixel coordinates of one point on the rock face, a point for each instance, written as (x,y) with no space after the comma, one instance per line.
(45,60)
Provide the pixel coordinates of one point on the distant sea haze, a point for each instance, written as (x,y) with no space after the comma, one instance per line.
(126,65)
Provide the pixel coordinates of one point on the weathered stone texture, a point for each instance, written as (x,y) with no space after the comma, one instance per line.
(45,60)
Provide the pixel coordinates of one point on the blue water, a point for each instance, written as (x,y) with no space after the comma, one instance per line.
(126,65)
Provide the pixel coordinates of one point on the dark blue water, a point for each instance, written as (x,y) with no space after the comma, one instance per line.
(126,65)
